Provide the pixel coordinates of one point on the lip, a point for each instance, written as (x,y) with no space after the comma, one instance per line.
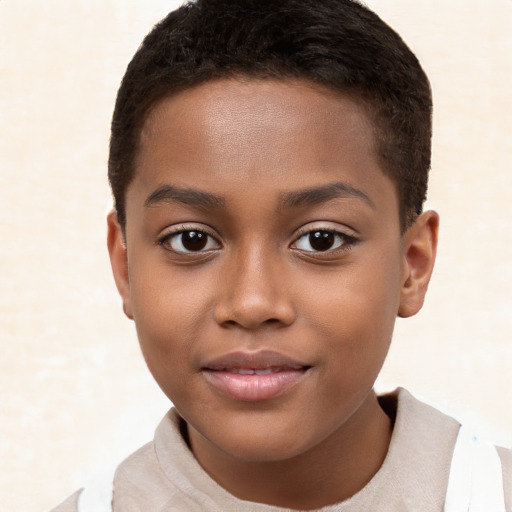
(254,376)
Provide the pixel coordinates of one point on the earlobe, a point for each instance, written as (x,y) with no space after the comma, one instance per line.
(419,254)
(119,260)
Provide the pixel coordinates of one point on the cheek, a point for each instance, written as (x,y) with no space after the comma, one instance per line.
(356,307)
(169,315)
(167,301)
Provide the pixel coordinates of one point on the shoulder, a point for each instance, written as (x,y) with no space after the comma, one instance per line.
(417,465)
(135,476)
(68,505)
(418,423)
(143,468)
(506,463)
(151,478)
(154,477)
(139,471)
(448,440)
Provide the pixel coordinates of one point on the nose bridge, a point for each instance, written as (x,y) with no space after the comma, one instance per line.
(254,290)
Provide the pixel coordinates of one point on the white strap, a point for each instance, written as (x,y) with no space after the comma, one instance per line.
(476,479)
(97,495)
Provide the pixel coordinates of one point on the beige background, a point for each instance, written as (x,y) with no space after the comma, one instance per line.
(74,390)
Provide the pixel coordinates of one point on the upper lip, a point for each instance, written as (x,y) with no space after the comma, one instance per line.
(259,360)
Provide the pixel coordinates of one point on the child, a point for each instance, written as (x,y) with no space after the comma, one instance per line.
(269,164)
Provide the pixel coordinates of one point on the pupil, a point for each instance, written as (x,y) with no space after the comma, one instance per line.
(194,240)
(321,240)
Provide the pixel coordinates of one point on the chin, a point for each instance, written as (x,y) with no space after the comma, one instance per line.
(266,444)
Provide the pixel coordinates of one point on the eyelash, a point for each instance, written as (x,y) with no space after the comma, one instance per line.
(166,240)
(345,241)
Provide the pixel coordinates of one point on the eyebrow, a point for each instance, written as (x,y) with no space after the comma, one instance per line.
(188,196)
(322,194)
(297,198)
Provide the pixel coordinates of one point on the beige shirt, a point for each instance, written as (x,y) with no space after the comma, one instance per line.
(164,476)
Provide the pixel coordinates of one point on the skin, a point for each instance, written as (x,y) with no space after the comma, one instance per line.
(259,285)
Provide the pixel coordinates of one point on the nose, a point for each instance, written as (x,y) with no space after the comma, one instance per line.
(254,293)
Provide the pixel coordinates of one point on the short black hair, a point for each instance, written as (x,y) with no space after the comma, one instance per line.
(339,44)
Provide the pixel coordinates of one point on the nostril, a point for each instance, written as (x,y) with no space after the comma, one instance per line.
(229,323)
(272,321)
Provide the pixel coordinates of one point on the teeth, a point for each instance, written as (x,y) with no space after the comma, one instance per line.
(264,372)
(247,371)
(250,371)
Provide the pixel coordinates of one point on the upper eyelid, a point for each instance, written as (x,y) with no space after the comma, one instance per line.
(348,235)
(171,231)
(309,228)
(165,240)
(349,239)
(304,230)
(185,226)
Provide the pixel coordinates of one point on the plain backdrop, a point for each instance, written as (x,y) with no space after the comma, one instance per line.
(74,392)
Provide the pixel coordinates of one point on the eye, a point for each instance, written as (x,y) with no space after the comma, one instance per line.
(322,240)
(189,241)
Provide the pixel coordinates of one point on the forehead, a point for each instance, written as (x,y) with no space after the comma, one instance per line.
(264,133)
(257,100)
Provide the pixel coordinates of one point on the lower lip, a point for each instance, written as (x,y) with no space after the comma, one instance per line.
(253,388)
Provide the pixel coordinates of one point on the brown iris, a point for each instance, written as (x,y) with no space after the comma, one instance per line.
(321,240)
(194,240)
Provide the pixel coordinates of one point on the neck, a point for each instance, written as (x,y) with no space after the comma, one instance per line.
(330,472)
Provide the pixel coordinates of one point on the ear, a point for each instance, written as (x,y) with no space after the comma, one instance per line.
(419,247)
(119,261)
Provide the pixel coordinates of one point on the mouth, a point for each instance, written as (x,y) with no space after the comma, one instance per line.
(253,377)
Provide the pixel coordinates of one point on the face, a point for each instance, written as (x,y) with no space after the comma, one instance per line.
(264,265)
